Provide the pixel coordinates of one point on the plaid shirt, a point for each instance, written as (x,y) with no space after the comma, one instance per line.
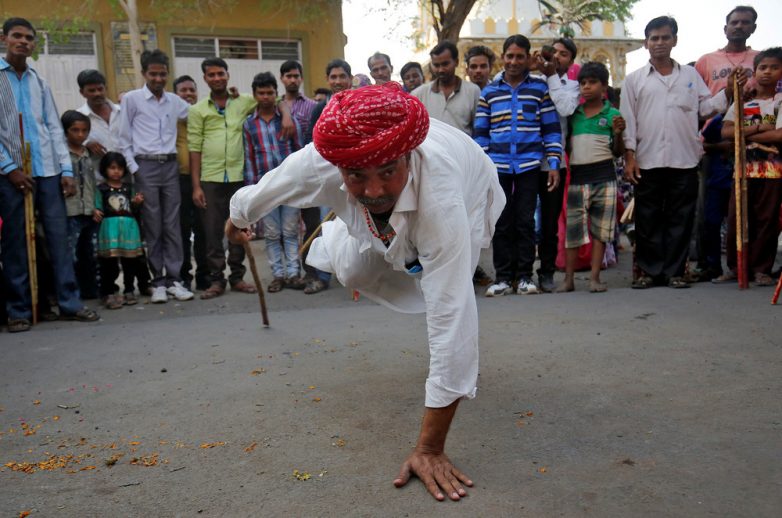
(301,111)
(263,149)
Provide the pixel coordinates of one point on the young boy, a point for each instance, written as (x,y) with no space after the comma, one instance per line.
(763,134)
(595,139)
(263,151)
(79,207)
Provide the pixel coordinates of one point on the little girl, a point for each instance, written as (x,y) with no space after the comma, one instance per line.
(119,239)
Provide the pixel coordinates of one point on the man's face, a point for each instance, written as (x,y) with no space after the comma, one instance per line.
(516,62)
(380,70)
(740,26)
(187,91)
(216,78)
(478,69)
(156,76)
(95,94)
(339,80)
(768,72)
(562,58)
(20,42)
(378,188)
(444,66)
(292,81)
(77,133)
(412,79)
(265,96)
(660,42)
(592,89)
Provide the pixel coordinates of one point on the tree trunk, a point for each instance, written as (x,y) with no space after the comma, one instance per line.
(450,25)
(131,11)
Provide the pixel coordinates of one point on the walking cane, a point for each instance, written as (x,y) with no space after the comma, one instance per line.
(740,186)
(257,278)
(29,225)
(308,242)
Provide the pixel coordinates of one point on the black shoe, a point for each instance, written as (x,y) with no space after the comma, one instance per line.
(546,282)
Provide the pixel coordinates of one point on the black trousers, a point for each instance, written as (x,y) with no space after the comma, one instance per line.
(514,235)
(665,200)
(764,196)
(218,200)
(109,270)
(550,209)
(191,224)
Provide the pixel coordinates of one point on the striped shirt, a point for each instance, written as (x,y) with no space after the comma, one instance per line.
(301,110)
(263,149)
(32,97)
(518,126)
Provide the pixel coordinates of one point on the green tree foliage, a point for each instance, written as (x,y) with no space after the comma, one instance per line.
(566,15)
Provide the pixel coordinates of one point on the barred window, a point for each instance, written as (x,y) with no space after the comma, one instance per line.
(82,44)
(194,47)
(280,50)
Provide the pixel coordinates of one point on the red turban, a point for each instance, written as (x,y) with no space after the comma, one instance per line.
(370,126)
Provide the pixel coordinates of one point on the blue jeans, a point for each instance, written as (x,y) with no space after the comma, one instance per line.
(81,232)
(13,247)
(282,222)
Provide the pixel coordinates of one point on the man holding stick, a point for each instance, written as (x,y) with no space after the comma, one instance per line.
(23,92)
(416,201)
(661,103)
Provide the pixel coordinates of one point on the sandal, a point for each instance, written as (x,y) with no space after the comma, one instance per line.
(276,285)
(18,325)
(677,283)
(729,276)
(643,282)
(295,283)
(243,287)
(215,290)
(130,299)
(763,279)
(112,302)
(83,315)
(315,286)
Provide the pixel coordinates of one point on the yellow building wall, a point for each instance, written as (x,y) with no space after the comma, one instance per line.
(321,33)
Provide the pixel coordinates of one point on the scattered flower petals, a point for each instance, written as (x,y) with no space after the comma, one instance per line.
(212,444)
(301,475)
(251,447)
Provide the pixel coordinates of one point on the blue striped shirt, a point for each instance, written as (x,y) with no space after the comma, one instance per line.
(42,128)
(517,127)
(263,149)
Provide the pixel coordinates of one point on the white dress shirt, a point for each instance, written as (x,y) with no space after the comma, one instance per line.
(104,133)
(661,115)
(148,125)
(565,94)
(443,218)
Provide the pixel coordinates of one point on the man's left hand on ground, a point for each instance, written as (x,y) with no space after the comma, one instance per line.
(68,186)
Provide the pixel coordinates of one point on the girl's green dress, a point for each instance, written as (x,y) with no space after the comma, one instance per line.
(119,234)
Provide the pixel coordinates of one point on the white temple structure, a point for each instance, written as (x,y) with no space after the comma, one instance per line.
(492,21)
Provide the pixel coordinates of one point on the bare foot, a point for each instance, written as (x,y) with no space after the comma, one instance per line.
(566,287)
(597,287)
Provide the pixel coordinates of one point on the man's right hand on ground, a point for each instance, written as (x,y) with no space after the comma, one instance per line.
(21,181)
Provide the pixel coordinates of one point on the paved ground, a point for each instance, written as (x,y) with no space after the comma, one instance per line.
(655,403)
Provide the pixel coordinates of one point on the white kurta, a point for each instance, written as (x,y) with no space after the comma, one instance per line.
(444,217)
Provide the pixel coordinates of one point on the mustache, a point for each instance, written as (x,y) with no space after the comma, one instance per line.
(372,202)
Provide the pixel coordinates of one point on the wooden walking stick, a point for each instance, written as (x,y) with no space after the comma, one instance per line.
(740,186)
(308,242)
(29,225)
(257,278)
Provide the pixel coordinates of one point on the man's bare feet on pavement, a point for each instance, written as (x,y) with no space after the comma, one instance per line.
(595,286)
(566,287)
(437,473)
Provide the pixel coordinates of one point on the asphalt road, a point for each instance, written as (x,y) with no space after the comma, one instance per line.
(655,403)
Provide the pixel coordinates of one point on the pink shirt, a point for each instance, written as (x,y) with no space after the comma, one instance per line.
(715,67)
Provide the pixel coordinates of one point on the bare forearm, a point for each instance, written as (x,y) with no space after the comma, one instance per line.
(195,169)
(434,428)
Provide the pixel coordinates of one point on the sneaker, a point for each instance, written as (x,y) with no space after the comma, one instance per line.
(499,289)
(179,292)
(159,295)
(526,287)
(546,282)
